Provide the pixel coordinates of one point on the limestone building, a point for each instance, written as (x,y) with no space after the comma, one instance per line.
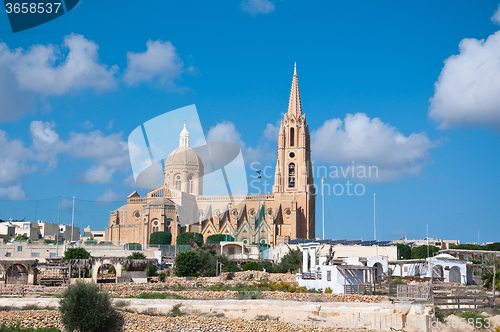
(286,214)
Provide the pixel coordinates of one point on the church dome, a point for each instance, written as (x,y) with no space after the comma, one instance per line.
(183,155)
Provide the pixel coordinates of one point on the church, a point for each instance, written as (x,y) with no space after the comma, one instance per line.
(286,214)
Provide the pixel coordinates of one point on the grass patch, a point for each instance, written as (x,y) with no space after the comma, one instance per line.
(248,295)
(176,311)
(161,296)
(16,328)
(474,318)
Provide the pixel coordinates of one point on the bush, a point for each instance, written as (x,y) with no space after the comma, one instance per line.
(404,251)
(421,251)
(176,311)
(76,253)
(151,270)
(186,238)
(217,238)
(476,318)
(162,276)
(84,308)
(136,255)
(291,262)
(160,238)
(187,264)
(252,266)
(328,290)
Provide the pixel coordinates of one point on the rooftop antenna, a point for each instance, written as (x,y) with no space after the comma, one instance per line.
(374,224)
(323,204)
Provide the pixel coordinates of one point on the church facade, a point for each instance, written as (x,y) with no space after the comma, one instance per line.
(271,219)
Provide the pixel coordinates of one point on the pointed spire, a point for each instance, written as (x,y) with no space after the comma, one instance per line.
(294,106)
(184,136)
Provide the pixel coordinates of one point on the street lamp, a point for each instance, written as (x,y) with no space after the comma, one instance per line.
(258,214)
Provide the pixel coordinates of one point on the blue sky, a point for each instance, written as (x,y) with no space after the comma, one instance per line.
(411,88)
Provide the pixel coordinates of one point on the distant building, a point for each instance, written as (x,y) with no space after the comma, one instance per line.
(89,234)
(443,244)
(36,231)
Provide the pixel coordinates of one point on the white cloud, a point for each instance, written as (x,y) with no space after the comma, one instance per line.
(14,165)
(98,174)
(370,142)
(15,193)
(467,90)
(159,64)
(87,125)
(255,7)
(227,132)
(496,17)
(110,196)
(49,70)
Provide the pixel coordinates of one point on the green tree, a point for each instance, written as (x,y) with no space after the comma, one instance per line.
(21,237)
(160,238)
(187,264)
(85,309)
(404,251)
(184,239)
(493,246)
(468,246)
(252,266)
(136,255)
(217,238)
(76,253)
(421,251)
(291,262)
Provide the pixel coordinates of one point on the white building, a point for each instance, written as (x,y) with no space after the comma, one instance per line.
(341,275)
(444,267)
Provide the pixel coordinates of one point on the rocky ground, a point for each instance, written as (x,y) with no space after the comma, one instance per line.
(125,321)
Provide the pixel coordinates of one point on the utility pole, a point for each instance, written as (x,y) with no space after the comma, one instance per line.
(374,224)
(58,218)
(72,219)
(258,214)
(323,204)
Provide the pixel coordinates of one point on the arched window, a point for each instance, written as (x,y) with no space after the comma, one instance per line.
(178,182)
(291,175)
(292,136)
(190,184)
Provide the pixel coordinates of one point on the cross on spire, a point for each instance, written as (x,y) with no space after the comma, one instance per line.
(294,106)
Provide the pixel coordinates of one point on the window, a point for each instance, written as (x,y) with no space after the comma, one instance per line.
(26,226)
(53,254)
(329,275)
(35,254)
(292,136)
(291,175)
(178,182)
(8,254)
(190,184)
(19,248)
(231,251)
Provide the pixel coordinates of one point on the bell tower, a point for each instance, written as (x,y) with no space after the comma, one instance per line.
(293,167)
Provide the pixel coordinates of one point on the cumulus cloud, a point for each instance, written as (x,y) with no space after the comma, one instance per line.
(226,132)
(109,196)
(255,7)
(108,154)
(14,193)
(496,17)
(159,64)
(370,142)
(467,90)
(49,70)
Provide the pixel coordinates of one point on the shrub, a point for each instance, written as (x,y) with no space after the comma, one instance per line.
(176,311)
(76,253)
(217,238)
(421,251)
(186,238)
(160,238)
(328,290)
(84,308)
(112,270)
(187,264)
(161,276)
(252,266)
(151,270)
(477,319)
(137,255)
(291,262)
